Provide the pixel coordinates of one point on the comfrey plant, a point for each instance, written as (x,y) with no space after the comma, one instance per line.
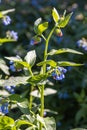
(33,114)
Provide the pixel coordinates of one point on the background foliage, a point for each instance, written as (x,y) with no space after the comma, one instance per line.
(69,104)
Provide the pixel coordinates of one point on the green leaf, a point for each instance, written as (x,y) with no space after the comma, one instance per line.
(31,57)
(16,98)
(41,120)
(14,58)
(63,50)
(42,27)
(37,79)
(4,40)
(24,122)
(79,129)
(81,114)
(47,91)
(14,81)
(7,11)
(67,63)
(49,62)
(36,23)
(50,123)
(23,105)
(63,22)
(6,123)
(4,67)
(55,15)
(19,61)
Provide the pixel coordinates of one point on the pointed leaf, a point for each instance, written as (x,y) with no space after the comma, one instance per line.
(63,22)
(24,122)
(67,63)
(63,50)
(55,15)
(42,27)
(14,81)
(4,67)
(6,122)
(49,62)
(36,23)
(47,91)
(19,61)
(78,129)
(50,123)
(37,79)
(41,120)
(7,11)
(4,40)
(31,57)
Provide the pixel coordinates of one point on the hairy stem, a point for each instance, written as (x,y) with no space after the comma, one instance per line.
(31,98)
(44,71)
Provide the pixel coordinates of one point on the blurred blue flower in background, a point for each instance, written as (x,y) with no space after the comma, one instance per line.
(12,35)
(4,108)
(63,95)
(82,43)
(10,89)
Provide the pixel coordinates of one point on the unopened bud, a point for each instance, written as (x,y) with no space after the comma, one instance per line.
(59,32)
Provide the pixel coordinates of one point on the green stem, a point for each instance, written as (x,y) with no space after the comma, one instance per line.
(31,98)
(44,71)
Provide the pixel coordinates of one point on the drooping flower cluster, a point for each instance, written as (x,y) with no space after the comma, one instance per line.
(4,108)
(10,89)
(58,73)
(82,43)
(12,35)
(6,20)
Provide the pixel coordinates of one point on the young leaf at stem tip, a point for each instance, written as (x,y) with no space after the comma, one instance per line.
(55,15)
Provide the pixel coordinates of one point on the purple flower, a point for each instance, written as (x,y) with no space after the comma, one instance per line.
(6,20)
(12,35)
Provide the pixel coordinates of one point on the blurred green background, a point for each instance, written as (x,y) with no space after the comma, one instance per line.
(70,101)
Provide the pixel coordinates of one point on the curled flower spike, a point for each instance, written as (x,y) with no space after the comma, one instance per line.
(58,72)
(6,20)
(82,43)
(12,35)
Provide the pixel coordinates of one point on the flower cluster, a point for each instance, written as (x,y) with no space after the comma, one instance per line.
(12,35)
(82,43)
(58,72)
(10,89)
(6,20)
(4,108)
